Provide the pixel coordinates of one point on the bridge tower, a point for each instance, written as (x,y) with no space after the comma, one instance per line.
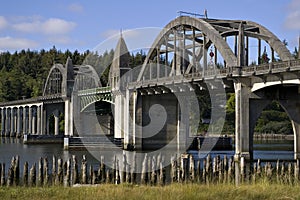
(119,66)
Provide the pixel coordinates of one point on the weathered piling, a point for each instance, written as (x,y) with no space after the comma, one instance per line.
(118,177)
(296,171)
(173,169)
(25,174)
(210,170)
(54,172)
(41,173)
(75,177)
(133,175)
(46,172)
(59,176)
(84,170)
(16,169)
(153,177)
(2,181)
(67,174)
(32,175)
(124,166)
(144,175)
(101,172)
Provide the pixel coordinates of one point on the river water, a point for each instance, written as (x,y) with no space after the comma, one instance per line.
(265,149)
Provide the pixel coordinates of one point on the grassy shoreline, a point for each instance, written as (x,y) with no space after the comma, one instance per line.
(173,191)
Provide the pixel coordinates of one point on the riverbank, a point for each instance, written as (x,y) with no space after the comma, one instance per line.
(175,191)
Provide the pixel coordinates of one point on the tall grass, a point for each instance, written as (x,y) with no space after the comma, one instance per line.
(262,190)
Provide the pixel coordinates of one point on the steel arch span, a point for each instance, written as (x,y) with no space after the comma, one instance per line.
(186,40)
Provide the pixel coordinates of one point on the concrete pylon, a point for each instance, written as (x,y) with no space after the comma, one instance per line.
(120,66)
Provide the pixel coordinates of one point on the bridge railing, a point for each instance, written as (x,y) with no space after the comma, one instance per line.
(98,90)
(271,67)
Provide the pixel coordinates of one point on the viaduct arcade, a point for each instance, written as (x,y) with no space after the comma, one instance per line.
(33,116)
(176,66)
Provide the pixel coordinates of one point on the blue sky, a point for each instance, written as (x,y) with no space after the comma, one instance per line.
(82,24)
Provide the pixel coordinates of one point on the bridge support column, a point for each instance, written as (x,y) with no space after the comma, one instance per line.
(119,114)
(19,121)
(68,118)
(130,140)
(135,140)
(183,124)
(137,134)
(25,121)
(7,121)
(38,119)
(42,127)
(12,123)
(242,134)
(56,122)
(2,121)
(33,122)
(127,121)
(29,120)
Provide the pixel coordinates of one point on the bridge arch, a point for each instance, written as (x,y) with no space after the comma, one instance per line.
(86,77)
(55,81)
(63,79)
(286,94)
(202,33)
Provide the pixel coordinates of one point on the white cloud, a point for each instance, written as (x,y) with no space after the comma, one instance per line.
(52,26)
(3,22)
(292,20)
(60,40)
(9,43)
(57,26)
(75,7)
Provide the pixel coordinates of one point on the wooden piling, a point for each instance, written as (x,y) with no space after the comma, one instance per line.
(59,177)
(10,175)
(16,169)
(296,171)
(32,175)
(117,180)
(54,172)
(133,174)
(2,181)
(25,174)
(153,178)
(144,175)
(102,173)
(84,170)
(173,169)
(75,177)
(67,176)
(41,173)
(46,172)
(124,165)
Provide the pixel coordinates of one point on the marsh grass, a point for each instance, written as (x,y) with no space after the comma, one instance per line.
(261,190)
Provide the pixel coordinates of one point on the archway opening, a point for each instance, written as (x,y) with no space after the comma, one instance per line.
(56,126)
(273,134)
(96,119)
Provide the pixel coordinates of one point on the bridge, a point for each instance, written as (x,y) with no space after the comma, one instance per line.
(154,105)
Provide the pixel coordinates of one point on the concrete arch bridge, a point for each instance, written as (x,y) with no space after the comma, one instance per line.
(184,58)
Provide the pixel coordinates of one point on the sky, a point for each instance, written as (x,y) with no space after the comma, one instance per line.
(82,25)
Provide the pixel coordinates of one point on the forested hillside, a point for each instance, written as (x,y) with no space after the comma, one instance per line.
(23,74)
